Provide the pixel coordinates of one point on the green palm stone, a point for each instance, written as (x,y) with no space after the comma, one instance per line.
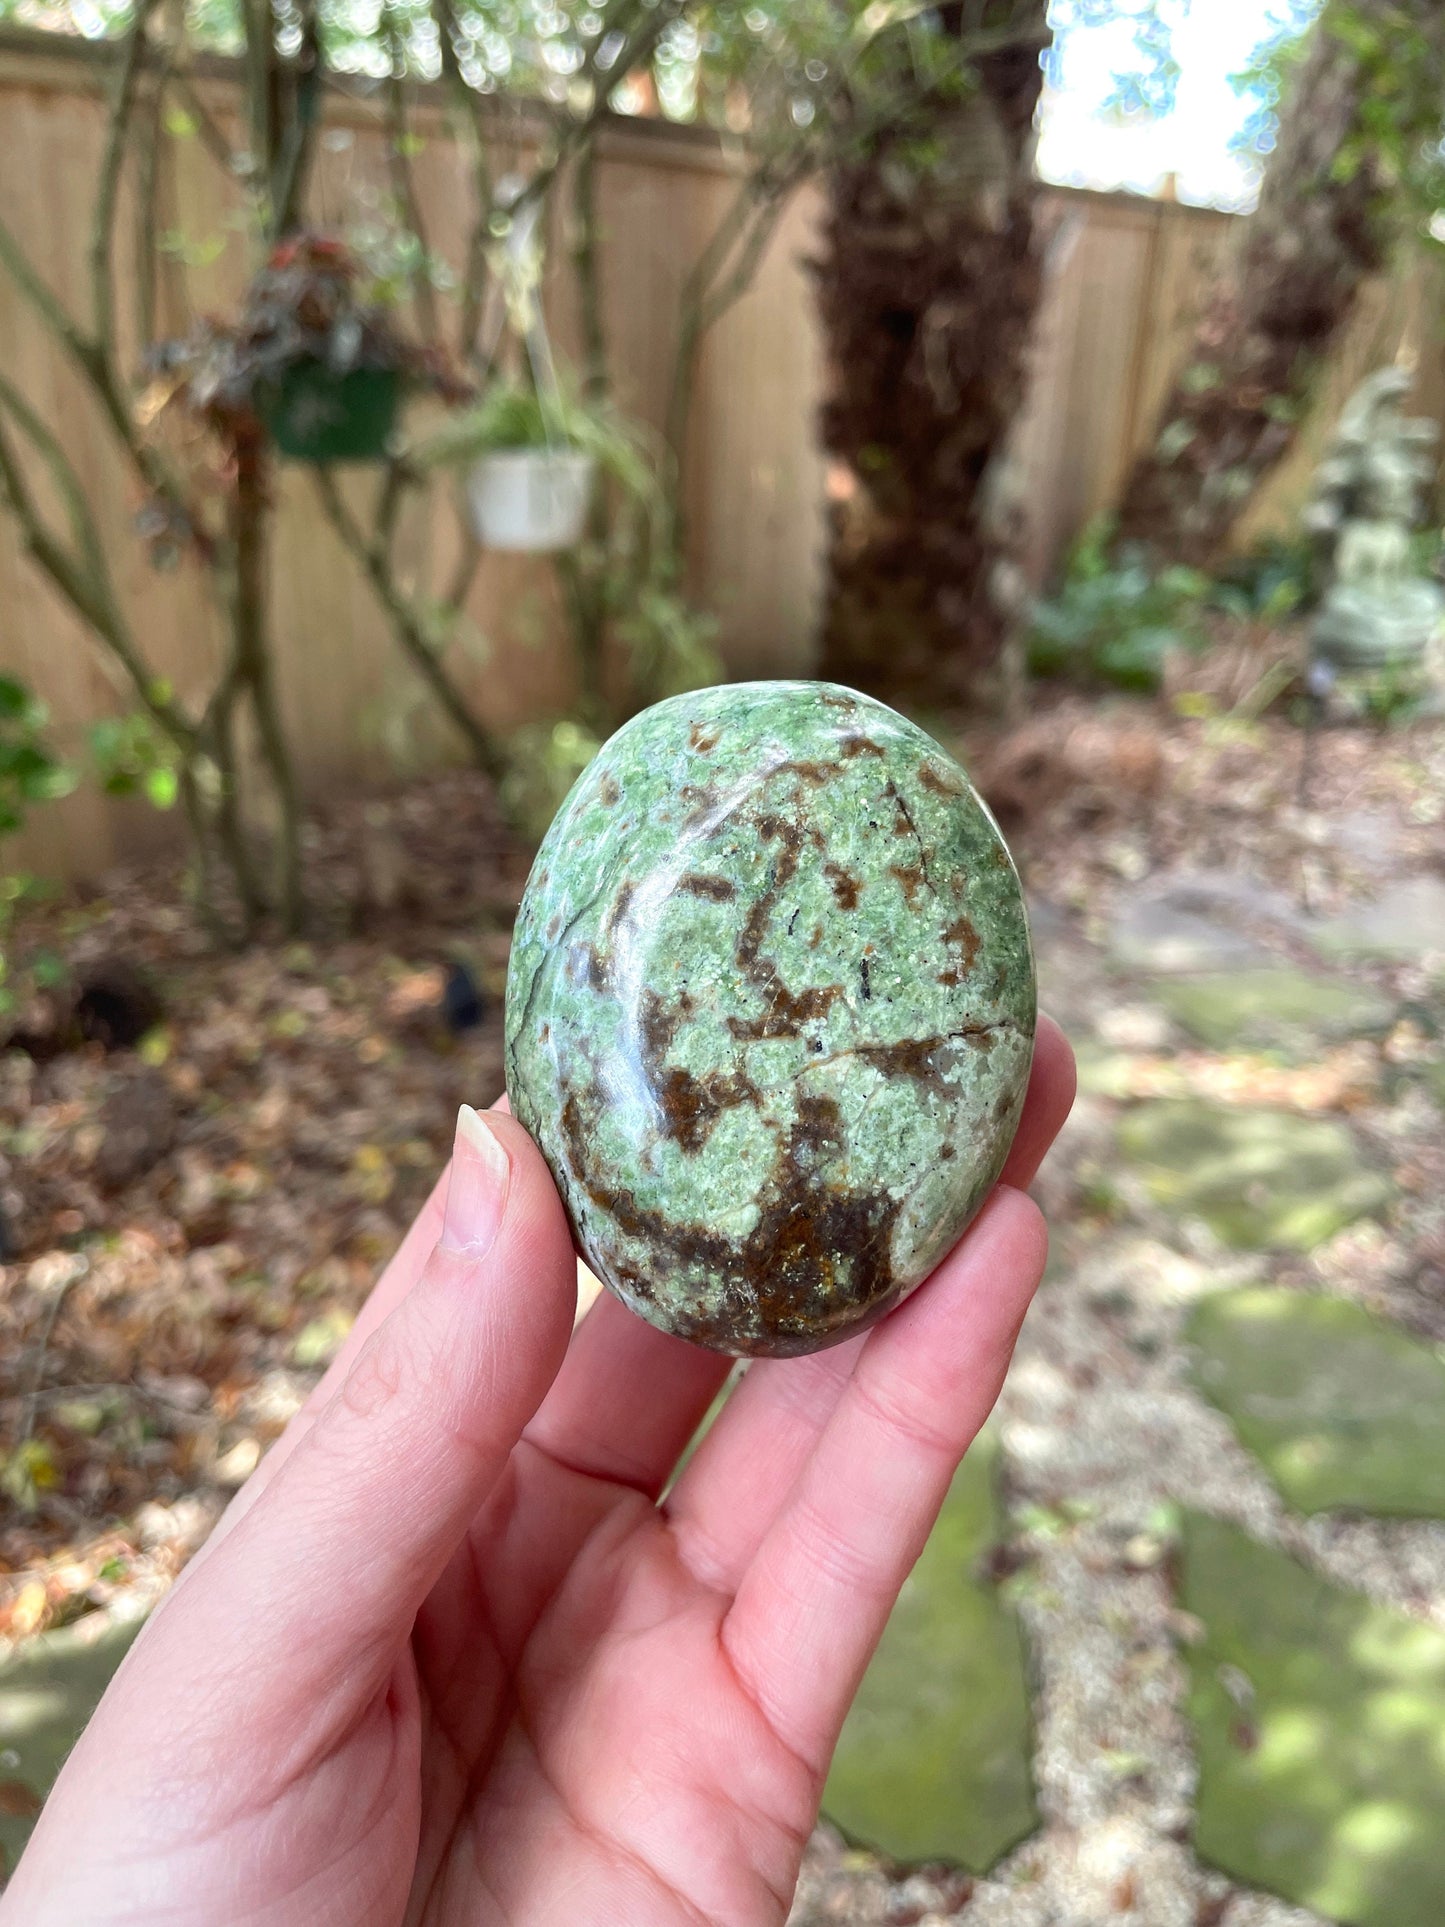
(770,1012)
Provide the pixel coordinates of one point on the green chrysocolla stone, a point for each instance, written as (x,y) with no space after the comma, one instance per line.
(770,1012)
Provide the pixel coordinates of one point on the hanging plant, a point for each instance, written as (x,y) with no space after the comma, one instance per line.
(531,462)
(312,362)
(530,466)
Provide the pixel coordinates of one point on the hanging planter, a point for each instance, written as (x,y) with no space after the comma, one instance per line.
(530,500)
(314,414)
(310,362)
(530,464)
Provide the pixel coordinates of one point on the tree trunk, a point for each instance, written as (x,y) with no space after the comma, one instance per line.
(1321,230)
(927,285)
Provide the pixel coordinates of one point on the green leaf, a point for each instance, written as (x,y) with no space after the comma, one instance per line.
(162,786)
(15,699)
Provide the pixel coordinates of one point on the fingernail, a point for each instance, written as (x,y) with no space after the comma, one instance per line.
(477,1188)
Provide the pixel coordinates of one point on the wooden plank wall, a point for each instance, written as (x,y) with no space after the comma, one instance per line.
(1124,279)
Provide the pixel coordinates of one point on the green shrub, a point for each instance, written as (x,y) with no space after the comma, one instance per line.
(1116,617)
(1281,577)
(133,758)
(30,773)
(1117,614)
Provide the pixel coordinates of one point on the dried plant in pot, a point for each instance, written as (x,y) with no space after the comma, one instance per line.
(311,361)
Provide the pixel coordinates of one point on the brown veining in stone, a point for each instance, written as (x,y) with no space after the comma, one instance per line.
(815,773)
(964,934)
(937,780)
(786,1012)
(781,1285)
(845,886)
(690,1105)
(910,878)
(587,966)
(704,741)
(719,889)
(700,798)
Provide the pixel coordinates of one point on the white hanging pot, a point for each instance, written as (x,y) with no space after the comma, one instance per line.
(530,499)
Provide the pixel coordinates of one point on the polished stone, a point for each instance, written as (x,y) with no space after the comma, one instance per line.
(770,1012)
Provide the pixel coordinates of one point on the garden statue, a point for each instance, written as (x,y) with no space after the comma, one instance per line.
(1379,613)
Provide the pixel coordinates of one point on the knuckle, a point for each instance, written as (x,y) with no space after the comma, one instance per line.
(906,1421)
(377,1378)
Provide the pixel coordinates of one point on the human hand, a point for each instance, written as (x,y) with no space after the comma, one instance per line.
(447,1659)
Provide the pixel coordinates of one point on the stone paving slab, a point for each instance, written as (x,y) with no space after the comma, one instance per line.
(1262,1180)
(1406,921)
(934,1761)
(1318,1719)
(1291,1012)
(48,1690)
(1342,1410)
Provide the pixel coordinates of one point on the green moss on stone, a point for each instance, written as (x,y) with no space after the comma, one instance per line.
(1318,1718)
(1340,1408)
(1261,1179)
(934,1759)
(48,1691)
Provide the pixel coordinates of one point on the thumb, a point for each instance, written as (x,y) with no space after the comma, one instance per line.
(321,1580)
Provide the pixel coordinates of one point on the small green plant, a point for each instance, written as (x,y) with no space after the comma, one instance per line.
(133,758)
(618,581)
(669,643)
(1275,581)
(509,417)
(1394,697)
(30,772)
(545,760)
(1116,618)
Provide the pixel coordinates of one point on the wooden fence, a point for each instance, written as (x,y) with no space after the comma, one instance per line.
(1124,279)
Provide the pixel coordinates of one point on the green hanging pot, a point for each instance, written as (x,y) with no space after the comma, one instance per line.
(315,414)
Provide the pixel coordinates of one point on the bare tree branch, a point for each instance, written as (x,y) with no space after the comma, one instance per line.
(298,120)
(40,296)
(409,620)
(148,151)
(83,580)
(649,25)
(117,132)
(474,271)
(207,128)
(403,182)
